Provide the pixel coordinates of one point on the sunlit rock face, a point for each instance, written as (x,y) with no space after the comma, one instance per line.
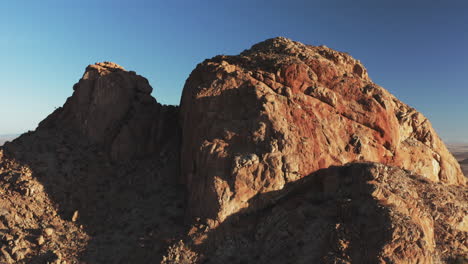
(280,111)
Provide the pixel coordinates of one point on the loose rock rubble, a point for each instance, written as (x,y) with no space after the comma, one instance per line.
(31,230)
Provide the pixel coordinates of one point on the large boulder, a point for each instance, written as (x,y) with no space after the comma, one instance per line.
(114,108)
(282,110)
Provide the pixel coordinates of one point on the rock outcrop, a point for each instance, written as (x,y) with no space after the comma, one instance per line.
(357,213)
(281,110)
(100,172)
(114,108)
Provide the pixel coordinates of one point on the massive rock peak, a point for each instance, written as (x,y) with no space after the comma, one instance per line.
(280,111)
(114,108)
(95,180)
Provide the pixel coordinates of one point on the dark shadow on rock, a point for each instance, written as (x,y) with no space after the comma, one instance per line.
(47,257)
(326,217)
(131,211)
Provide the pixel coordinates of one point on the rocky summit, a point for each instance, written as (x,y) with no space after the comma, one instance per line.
(282,110)
(286,153)
(114,108)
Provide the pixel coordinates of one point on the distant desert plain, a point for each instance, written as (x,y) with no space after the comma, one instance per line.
(460,151)
(5,138)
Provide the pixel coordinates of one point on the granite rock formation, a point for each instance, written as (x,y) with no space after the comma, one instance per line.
(281,110)
(287,153)
(100,172)
(114,108)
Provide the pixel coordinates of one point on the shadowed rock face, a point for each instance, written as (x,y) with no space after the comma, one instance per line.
(281,110)
(114,108)
(100,172)
(357,213)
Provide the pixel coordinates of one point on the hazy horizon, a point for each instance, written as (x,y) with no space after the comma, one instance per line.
(415,50)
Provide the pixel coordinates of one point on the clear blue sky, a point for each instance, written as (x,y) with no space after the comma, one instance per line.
(416,49)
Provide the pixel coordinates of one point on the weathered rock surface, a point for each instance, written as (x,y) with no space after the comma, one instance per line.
(275,113)
(114,108)
(357,213)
